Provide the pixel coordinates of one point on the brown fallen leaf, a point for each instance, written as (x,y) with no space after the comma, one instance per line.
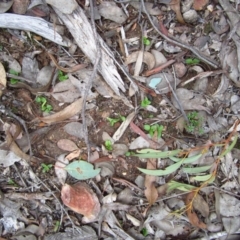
(67,145)
(175,6)
(20,6)
(200,4)
(192,216)
(81,199)
(201,205)
(151,192)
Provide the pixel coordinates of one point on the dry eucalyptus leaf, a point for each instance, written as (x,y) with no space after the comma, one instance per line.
(175,6)
(75,129)
(119,149)
(159,58)
(66,113)
(125,196)
(110,10)
(148,58)
(8,158)
(149,7)
(20,6)
(231,224)
(67,145)
(66,7)
(189,100)
(107,168)
(229,205)
(81,199)
(200,4)
(65,92)
(44,75)
(139,143)
(74,154)
(201,205)
(12,63)
(30,67)
(5,5)
(151,192)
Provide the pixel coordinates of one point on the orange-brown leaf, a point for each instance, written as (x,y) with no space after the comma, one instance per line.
(175,6)
(151,192)
(199,4)
(192,216)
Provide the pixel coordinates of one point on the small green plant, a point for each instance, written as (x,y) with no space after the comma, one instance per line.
(11,182)
(144,232)
(112,121)
(146,41)
(145,102)
(13,80)
(44,106)
(192,61)
(61,76)
(108,144)
(46,167)
(56,226)
(152,129)
(195,123)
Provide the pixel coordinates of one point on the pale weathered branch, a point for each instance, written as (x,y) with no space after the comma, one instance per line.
(80,28)
(32,24)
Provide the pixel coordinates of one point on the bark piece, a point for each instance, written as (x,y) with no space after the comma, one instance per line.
(81,199)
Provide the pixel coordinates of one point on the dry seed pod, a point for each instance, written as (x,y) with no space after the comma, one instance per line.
(81,199)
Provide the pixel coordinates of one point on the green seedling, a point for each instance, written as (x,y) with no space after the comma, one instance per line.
(46,167)
(13,80)
(61,76)
(195,123)
(108,144)
(192,61)
(146,41)
(145,102)
(144,232)
(152,129)
(11,182)
(44,106)
(56,226)
(112,121)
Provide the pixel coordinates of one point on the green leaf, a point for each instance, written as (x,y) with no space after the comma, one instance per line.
(146,41)
(82,170)
(186,160)
(195,170)
(108,145)
(204,178)
(146,127)
(168,170)
(144,232)
(230,147)
(112,121)
(150,153)
(11,71)
(13,81)
(180,186)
